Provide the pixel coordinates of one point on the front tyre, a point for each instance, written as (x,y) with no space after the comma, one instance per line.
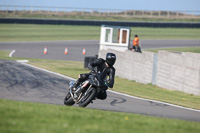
(88,98)
(68,100)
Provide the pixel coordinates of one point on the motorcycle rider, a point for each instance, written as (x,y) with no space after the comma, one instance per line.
(105,69)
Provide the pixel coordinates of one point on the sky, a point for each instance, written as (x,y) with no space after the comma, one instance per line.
(166,5)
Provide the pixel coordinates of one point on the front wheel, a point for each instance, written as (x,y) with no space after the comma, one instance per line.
(68,100)
(88,98)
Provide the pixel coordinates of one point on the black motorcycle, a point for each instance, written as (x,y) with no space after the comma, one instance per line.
(86,92)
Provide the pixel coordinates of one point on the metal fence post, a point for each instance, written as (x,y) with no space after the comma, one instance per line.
(14,10)
(177,14)
(134,13)
(155,60)
(7,10)
(168,14)
(159,13)
(142,12)
(31,9)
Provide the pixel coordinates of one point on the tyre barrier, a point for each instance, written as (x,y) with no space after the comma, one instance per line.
(99,23)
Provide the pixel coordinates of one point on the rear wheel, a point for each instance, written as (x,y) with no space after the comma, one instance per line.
(68,100)
(88,98)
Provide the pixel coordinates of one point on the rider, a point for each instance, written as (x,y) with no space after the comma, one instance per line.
(105,69)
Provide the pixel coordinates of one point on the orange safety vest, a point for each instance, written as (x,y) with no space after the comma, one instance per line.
(136,41)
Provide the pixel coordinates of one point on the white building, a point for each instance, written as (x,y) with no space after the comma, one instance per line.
(115,37)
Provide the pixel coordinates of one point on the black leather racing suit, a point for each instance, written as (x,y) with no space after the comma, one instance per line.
(105,72)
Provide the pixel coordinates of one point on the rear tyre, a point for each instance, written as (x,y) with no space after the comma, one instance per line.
(68,100)
(88,98)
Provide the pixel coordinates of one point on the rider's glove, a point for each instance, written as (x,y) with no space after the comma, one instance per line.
(93,71)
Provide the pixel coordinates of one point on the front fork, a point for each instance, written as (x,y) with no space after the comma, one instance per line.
(77,98)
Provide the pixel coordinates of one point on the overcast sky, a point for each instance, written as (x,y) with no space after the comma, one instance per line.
(169,5)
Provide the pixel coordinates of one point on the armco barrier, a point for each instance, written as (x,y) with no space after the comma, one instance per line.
(98,23)
(173,71)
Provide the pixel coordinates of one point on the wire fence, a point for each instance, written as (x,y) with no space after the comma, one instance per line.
(9,9)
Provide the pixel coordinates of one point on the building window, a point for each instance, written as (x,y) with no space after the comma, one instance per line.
(108,35)
(124,36)
(116,35)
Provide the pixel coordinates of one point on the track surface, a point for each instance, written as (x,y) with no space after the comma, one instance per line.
(21,82)
(56,49)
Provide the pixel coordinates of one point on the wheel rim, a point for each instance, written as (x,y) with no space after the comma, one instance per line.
(86,97)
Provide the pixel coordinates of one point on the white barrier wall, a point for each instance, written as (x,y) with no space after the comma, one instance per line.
(179,71)
(132,65)
(174,71)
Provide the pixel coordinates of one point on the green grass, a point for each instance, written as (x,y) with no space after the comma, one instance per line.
(4,55)
(185,49)
(25,117)
(26,32)
(166,33)
(150,91)
(20,32)
(73,69)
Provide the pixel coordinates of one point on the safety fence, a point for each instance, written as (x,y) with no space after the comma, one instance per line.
(99,23)
(11,9)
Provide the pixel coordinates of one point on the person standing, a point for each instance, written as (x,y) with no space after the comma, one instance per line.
(136,46)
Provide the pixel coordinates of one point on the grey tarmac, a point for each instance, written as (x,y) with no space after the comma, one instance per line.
(55,50)
(25,83)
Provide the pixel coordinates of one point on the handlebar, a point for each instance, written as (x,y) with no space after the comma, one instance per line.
(93,72)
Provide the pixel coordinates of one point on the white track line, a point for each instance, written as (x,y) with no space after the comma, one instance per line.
(115,91)
(11,53)
(153,101)
(49,71)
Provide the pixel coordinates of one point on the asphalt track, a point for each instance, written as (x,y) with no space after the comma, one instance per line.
(55,50)
(25,83)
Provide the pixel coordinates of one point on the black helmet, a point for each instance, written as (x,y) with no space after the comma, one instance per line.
(110,59)
(136,35)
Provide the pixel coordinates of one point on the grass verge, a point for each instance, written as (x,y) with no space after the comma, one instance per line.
(23,117)
(27,32)
(73,69)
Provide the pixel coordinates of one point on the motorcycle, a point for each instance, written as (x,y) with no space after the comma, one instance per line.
(86,92)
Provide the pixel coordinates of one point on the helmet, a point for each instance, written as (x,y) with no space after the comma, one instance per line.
(110,59)
(136,35)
